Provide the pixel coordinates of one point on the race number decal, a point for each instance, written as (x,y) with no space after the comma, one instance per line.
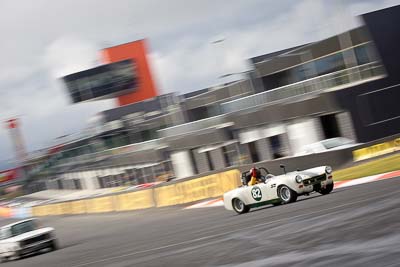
(256,193)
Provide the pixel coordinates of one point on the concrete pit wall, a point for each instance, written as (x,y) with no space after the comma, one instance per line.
(181,192)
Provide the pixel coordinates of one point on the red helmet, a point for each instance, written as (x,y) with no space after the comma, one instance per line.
(254,171)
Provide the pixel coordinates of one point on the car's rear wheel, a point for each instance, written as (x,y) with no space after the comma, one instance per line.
(286,194)
(326,190)
(239,206)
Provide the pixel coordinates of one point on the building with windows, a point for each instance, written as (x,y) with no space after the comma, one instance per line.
(343,86)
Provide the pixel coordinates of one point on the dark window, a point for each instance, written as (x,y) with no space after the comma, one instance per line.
(213,110)
(330,64)
(140,176)
(275,80)
(209,160)
(305,71)
(148,175)
(301,73)
(198,113)
(167,166)
(365,53)
(76,97)
(101,182)
(59,184)
(193,159)
(77,184)
(253,152)
(330,126)
(361,55)
(135,137)
(146,135)
(276,146)
(226,153)
(229,133)
(102,80)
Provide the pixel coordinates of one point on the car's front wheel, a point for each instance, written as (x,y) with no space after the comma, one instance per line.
(239,206)
(326,190)
(286,194)
(53,246)
(277,203)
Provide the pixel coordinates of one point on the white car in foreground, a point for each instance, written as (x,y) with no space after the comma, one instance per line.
(25,237)
(280,189)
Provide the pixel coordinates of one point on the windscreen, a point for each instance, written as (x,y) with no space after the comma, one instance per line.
(23,227)
(335,142)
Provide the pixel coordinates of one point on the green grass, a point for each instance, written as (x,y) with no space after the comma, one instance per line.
(386,164)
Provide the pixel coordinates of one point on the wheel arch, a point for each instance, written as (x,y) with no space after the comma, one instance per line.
(282,184)
(239,195)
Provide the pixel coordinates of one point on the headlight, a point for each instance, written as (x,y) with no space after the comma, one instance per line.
(299,179)
(328,169)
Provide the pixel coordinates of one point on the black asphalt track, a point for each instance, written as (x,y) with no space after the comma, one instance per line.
(354,226)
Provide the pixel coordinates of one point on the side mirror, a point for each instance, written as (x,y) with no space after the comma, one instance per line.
(283,167)
(243,178)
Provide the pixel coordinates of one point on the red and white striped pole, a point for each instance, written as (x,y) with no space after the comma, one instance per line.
(16,136)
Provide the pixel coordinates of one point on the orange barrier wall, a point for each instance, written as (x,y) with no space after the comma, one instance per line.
(180,192)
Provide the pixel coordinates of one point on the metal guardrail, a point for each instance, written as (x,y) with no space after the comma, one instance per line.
(192,126)
(97,156)
(328,81)
(151,144)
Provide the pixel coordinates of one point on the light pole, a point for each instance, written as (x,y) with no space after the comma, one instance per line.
(216,42)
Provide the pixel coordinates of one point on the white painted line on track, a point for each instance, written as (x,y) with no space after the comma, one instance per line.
(358,181)
(206,204)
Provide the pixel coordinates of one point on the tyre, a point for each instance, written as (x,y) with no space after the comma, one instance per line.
(53,246)
(277,203)
(239,206)
(286,194)
(326,190)
(4,259)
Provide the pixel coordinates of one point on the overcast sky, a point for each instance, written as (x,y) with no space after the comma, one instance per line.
(42,40)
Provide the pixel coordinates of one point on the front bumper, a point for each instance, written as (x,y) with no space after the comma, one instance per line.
(35,247)
(316,185)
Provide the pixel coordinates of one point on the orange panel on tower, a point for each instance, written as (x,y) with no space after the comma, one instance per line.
(137,52)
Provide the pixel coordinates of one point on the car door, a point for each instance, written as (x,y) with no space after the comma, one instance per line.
(258,193)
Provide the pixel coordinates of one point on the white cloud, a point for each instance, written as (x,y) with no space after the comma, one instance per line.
(198,64)
(70,54)
(41,101)
(44,39)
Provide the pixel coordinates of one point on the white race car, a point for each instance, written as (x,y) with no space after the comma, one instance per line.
(280,189)
(25,237)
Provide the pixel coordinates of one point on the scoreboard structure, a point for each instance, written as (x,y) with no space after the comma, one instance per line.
(106,81)
(125,75)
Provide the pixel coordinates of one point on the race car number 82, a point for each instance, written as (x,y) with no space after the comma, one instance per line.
(256,193)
